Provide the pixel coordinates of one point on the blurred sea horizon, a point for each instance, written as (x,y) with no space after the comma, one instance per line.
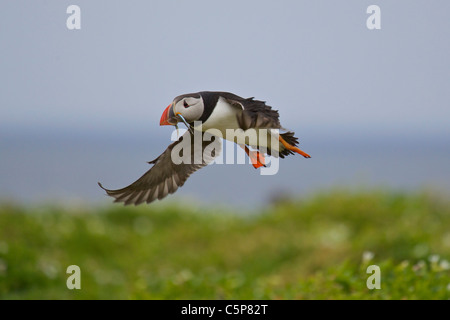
(63,166)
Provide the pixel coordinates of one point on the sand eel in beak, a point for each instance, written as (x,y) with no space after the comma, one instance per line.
(214,110)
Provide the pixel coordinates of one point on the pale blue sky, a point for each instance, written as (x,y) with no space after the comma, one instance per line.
(315,61)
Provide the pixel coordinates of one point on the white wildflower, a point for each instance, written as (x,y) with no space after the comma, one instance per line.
(444,265)
(367,256)
(434,258)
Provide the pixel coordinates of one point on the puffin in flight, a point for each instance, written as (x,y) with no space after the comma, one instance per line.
(212,110)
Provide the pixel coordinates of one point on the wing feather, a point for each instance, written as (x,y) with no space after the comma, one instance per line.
(255,113)
(165,177)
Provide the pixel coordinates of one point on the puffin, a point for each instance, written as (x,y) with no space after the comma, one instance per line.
(211,114)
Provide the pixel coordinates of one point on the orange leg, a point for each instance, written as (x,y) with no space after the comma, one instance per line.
(256,157)
(292,148)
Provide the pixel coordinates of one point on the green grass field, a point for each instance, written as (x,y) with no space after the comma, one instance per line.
(317,247)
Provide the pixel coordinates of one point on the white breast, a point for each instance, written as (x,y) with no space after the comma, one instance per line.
(223,117)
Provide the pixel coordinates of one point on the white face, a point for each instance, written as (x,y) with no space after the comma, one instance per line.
(191,108)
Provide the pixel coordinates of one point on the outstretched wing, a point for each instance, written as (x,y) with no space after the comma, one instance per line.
(166,176)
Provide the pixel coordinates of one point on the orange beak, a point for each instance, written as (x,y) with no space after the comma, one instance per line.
(168,117)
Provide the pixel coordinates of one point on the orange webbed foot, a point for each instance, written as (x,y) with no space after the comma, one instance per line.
(292,148)
(257,159)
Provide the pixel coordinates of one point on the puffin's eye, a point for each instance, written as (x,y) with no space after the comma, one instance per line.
(185,104)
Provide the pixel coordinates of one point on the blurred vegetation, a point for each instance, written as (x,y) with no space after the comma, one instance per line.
(311,248)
